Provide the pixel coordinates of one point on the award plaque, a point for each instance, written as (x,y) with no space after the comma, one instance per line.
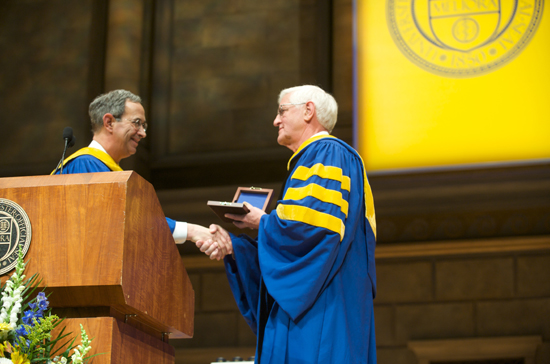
(257,197)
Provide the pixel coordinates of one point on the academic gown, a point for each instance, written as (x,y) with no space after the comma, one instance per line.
(91,160)
(306,284)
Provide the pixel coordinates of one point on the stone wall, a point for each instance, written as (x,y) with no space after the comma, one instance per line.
(435,297)
(492,295)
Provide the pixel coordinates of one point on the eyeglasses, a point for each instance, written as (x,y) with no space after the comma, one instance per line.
(281,111)
(137,123)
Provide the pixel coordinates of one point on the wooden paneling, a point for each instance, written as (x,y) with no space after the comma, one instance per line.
(217,71)
(53,58)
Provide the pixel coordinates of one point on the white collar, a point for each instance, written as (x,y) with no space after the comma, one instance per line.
(320,133)
(94,144)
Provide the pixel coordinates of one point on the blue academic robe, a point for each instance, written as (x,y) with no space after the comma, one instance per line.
(306,285)
(91,160)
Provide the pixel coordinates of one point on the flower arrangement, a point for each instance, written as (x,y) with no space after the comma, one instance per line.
(26,325)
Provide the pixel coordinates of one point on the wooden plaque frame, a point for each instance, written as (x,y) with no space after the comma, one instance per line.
(221,208)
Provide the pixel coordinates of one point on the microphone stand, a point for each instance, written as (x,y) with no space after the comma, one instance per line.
(69,142)
(63,155)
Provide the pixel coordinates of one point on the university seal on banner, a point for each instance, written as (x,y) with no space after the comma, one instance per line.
(15,232)
(462,38)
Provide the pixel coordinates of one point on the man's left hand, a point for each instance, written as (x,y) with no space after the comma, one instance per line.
(250,220)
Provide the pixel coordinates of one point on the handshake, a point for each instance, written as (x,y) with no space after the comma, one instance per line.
(215,241)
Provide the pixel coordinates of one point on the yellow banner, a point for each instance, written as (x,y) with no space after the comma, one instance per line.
(448,82)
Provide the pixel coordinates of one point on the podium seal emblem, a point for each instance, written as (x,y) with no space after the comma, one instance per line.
(462,38)
(15,232)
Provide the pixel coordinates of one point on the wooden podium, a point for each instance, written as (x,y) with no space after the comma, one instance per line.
(101,245)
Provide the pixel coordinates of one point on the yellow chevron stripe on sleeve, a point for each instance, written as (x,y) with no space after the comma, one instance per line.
(346,183)
(320,193)
(311,217)
(330,172)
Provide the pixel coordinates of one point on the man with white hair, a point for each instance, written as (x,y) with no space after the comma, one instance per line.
(306,285)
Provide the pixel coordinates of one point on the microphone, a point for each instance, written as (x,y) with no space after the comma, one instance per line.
(70,139)
(68,136)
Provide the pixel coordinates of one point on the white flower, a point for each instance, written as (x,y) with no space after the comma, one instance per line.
(11,296)
(5,361)
(78,357)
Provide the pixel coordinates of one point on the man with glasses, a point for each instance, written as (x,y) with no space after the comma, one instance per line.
(306,285)
(118,124)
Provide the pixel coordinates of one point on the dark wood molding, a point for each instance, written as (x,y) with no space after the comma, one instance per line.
(463,247)
(528,244)
(324,44)
(481,349)
(98,43)
(456,204)
(220,170)
(160,71)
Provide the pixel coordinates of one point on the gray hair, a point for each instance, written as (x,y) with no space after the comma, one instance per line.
(325,105)
(113,102)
